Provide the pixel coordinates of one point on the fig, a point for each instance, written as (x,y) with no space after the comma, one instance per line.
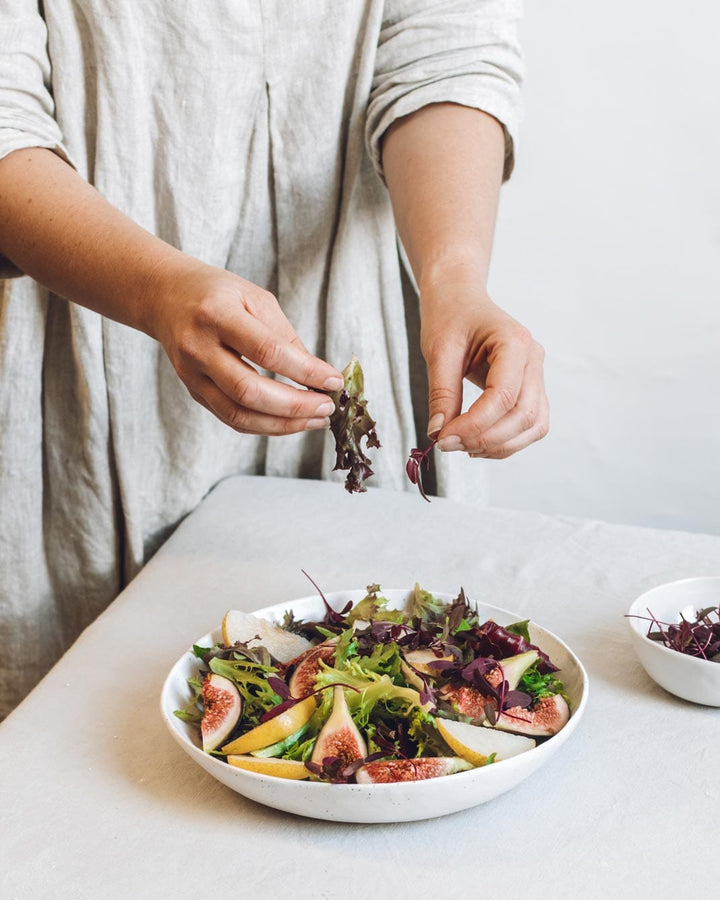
(255,632)
(223,708)
(339,737)
(542,719)
(302,681)
(468,700)
(385,771)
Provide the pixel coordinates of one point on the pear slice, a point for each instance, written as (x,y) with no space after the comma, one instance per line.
(421,659)
(514,667)
(477,744)
(279,768)
(256,632)
(274,730)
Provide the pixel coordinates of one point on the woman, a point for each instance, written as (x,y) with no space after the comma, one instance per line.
(211,175)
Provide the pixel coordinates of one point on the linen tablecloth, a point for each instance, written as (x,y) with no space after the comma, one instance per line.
(97,800)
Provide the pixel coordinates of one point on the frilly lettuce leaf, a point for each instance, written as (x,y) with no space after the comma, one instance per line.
(350,423)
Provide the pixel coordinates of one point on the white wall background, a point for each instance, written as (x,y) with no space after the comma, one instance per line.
(608,249)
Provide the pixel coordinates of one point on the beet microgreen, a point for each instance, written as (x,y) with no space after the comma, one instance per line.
(699,637)
(418,460)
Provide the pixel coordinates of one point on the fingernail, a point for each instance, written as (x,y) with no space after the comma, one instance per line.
(333,383)
(435,425)
(317,423)
(326,408)
(477,455)
(452,442)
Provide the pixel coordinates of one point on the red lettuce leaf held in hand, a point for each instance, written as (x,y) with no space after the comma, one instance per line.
(350,423)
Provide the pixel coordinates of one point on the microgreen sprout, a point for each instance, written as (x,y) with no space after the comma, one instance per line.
(419,459)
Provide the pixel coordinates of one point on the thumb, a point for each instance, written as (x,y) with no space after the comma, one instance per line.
(445,380)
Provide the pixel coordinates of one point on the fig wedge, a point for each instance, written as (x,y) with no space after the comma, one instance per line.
(339,737)
(223,708)
(542,719)
(385,771)
(468,700)
(302,680)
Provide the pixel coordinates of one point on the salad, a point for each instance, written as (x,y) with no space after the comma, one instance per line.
(373,694)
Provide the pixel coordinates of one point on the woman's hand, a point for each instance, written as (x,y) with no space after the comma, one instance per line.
(217,330)
(465,335)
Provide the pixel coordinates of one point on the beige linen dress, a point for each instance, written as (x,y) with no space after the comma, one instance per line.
(246,133)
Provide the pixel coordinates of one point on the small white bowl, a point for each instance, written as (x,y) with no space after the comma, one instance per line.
(685,676)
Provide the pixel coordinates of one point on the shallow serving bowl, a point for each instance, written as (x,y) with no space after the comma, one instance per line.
(401,802)
(685,676)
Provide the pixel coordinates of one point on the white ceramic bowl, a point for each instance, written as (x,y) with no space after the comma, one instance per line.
(685,676)
(401,802)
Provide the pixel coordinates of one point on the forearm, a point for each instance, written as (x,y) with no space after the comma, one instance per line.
(56,228)
(443,166)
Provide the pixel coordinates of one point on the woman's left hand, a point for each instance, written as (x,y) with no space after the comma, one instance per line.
(465,335)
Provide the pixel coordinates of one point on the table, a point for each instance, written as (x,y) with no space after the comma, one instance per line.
(98,801)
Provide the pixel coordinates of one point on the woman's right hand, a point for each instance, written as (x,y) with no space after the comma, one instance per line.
(218,329)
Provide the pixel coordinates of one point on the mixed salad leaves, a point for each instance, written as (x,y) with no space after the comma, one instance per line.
(375,694)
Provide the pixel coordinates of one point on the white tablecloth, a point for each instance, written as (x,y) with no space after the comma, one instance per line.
(98,801)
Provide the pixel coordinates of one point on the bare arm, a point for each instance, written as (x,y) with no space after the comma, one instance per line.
(58,229)
(443,166)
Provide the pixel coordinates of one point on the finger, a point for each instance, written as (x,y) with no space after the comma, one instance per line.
(530,411)
(502,389)
(247,421)
(247,388)
(268,346)
(536,433)
(445,383)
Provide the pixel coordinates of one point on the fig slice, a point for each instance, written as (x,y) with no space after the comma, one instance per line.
(223,708)
(256,632)
(477,744)
(468,700)
(274,730)
(339,737)
(385,771)
(542,719)
(307,666)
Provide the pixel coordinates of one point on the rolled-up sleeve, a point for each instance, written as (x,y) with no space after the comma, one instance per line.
(26,105)
(457,51)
